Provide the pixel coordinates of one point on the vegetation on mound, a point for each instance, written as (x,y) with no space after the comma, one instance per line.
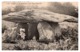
(69,41)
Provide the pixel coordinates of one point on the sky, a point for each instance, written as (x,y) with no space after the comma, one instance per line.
(40,4)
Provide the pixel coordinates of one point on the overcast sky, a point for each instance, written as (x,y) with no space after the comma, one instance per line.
(40,4)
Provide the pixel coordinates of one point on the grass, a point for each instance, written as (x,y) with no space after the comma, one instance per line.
(69,41)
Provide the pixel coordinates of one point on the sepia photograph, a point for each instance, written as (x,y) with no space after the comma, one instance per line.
(39,25)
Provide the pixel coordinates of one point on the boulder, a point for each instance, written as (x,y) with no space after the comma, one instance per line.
(10,35)
(46,32)
(32,31)
(37,15)
(56,28)
(69,29)
(68,24)
(5,37)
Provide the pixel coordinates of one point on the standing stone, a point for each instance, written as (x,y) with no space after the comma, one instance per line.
(32,31)
(46,32)
(57,30)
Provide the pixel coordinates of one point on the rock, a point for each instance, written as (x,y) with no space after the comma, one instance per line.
(5,25)
(65,25)
(10,35)
(32,31)
(69,29)
(36,15)
(13,34)
(68,26)
(56,28)
(46,32)
(5,37)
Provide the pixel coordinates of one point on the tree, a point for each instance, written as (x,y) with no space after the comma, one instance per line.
(65,8)
(19,8)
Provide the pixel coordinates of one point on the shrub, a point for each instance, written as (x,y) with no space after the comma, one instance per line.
(65,8)
(6,11)
(19,8)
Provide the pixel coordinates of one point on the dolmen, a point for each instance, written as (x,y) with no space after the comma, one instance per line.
(43,24)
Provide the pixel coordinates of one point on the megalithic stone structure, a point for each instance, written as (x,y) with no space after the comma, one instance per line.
(37,15)
(34,16)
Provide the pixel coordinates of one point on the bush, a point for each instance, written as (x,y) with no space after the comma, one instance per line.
(70,39)
(19,8)
(6,11)
(65,8)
